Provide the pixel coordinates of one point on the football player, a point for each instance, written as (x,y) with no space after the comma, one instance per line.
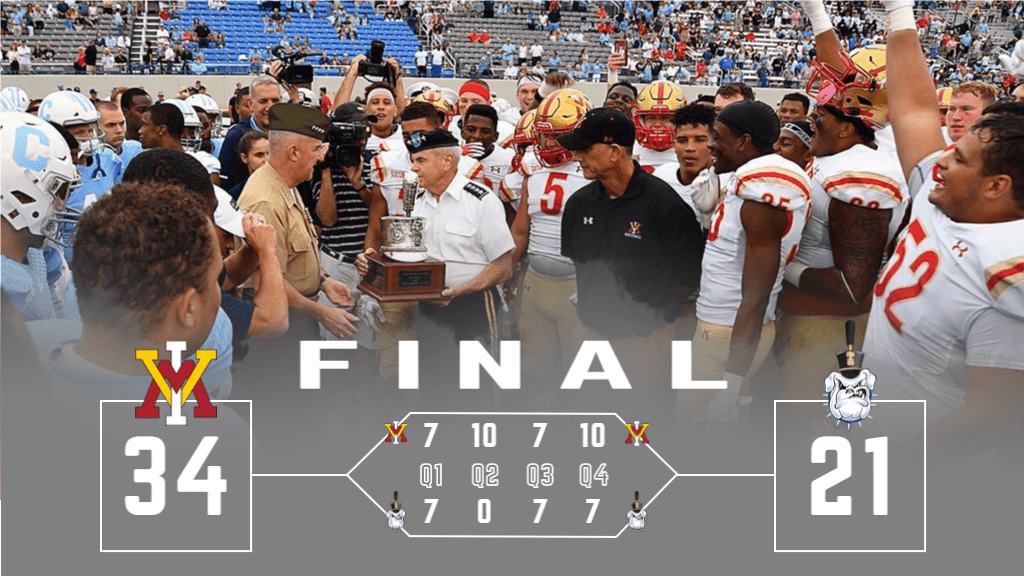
(948,308)
(98,166)
(214,138)
(480,131)
(546,318)
(691,174)
(39,173)
(655,132)
(858,198)
(524,161)
(754,233)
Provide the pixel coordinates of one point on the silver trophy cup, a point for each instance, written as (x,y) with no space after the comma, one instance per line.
(404,234)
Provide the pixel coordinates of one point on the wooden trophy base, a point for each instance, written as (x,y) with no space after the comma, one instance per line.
(392,281)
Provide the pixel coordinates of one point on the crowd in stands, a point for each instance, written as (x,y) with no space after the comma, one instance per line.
(697,43)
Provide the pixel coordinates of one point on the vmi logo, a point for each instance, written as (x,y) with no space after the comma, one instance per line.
(176,380)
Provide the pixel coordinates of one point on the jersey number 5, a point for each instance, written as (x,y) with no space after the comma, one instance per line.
(927,260)
(551,201)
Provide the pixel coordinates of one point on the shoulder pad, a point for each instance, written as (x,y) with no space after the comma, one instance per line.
(877,184)
(476,189)
(474,170)
(775,181)
(511,187)
(1005,283)
(378,169)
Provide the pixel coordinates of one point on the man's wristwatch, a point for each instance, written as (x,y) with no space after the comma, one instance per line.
(323,278)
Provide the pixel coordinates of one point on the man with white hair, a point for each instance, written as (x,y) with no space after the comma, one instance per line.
(465,228)
(296,145)
(291,416)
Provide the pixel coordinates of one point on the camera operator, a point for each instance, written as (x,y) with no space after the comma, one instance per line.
(343,193)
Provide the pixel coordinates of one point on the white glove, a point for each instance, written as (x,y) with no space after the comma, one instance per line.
(891,5)
(817,15)
(723,411)
(1014,61)
(705,191)
(473,150)
(370,315)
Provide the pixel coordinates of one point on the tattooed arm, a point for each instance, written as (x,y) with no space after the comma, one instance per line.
(858,237)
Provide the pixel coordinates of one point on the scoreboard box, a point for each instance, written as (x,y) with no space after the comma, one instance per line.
(846,488)
(515,474)
(175,488)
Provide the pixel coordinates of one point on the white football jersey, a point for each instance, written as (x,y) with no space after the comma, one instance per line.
(511,187)
(209,161)
(771,180)
(952,295)
(860,176)
(388,171)
(496,165)
(650,159)
(697,194)
(393,142)
(548,191)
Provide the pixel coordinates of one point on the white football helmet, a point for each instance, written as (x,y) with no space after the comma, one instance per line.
(6,106)
(17,97)
(36,165)
(192,135)
(208,104)
(70,109)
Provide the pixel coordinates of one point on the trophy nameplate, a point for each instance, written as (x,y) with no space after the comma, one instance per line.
(404,272)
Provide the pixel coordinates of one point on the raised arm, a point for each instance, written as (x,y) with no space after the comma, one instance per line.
(913,109)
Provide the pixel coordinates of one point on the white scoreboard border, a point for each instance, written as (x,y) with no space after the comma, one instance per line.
(924,490)
(522,536)
(190,401)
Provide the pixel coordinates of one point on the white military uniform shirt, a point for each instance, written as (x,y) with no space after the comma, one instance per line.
(465,228)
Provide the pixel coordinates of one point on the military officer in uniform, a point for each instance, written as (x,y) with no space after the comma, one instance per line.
(465,228)
(296,144)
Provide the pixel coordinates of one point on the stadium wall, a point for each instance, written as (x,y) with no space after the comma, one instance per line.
(221,88)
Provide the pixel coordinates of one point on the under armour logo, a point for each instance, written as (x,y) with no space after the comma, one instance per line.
(959,248)
(588,220)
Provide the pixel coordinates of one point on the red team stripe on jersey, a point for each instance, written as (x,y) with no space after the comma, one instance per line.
(887,186)
(378,168)
(1001,276)
(476,172)
(773,176)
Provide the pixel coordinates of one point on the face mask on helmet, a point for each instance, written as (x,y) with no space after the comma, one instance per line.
(658,99)
(659,137)
(38,175)
(856,91)
(191,138)
(216,124)
(90,141)
(559,114)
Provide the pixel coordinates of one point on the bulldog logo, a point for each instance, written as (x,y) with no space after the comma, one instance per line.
(851,388)
(849,399)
